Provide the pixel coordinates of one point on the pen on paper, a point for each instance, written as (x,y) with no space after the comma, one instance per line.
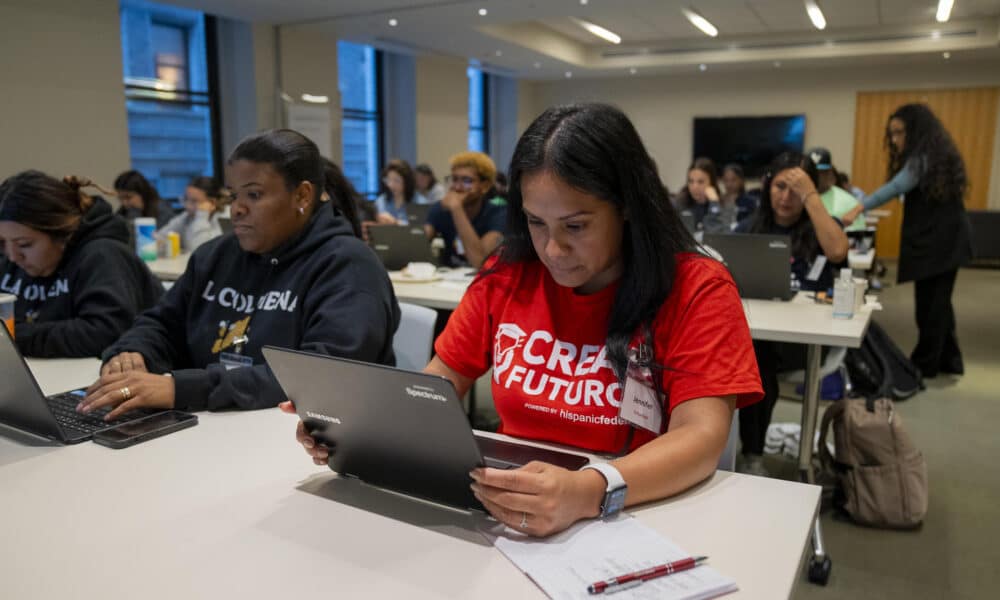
(630,580)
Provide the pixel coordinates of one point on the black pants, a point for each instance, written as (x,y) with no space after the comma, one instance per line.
(937,344)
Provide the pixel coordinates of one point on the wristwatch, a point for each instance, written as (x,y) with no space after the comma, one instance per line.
(614,494)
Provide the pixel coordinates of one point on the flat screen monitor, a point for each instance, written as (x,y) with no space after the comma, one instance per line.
(749,141)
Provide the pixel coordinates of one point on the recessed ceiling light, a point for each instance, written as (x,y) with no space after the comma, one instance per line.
(944,10)
(583,2)
(777,64)
(700,22)
(538,65)
(315,99)
(569,74)
(946,55)
(599,31)
(935,35)
(483,12)
(393,22)
(633,71)
(499,53)
(702,67)
(815,14)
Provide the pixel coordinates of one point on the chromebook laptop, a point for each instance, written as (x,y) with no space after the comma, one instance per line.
(761,265)
(401,430)
(23,405)
(399,245)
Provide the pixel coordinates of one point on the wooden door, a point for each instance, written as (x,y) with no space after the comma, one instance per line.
(969,115)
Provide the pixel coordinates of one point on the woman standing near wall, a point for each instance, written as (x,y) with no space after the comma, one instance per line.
(925,167)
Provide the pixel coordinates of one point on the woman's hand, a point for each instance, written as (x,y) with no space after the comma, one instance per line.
(125,362)
(539,499)
(800,184)
(320,453)
(385,218)
(712,194)
(125,391)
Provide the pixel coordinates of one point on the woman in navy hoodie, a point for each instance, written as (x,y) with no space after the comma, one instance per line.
(292,274)
(66,258)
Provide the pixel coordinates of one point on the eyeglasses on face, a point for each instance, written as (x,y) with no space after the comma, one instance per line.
(466,181)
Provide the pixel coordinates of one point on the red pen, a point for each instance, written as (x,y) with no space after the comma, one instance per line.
(629,580)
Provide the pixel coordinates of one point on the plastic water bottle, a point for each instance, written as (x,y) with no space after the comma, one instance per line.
(843,296)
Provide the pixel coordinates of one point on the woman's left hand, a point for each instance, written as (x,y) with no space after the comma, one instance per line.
(128,391)
(539,499)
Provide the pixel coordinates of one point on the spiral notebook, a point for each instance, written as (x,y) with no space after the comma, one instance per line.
(563,565)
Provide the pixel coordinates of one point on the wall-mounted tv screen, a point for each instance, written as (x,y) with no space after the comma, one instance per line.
(750,141)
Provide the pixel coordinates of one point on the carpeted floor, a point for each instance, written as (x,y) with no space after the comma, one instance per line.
(956,424)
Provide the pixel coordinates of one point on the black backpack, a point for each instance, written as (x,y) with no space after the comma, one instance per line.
(880,369)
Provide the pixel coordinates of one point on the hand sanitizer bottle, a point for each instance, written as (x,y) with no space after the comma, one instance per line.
(843,296)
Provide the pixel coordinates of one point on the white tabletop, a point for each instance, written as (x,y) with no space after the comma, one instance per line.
(861,261)
(169,269)
(232,506)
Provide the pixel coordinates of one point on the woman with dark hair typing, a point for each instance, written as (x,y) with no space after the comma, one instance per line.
(925,166)
(789,205)
(596,303)
(65,256)
(294,275)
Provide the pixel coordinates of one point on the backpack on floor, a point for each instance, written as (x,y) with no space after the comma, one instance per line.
(882,476)
(880,369)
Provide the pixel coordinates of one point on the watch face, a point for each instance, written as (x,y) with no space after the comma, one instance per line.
(614,501)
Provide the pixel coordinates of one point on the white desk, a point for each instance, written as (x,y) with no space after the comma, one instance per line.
(232,507)
(169,269)
(861,261)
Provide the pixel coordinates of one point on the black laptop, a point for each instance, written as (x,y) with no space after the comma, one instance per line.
(23,405)
(416,214)
(760,264)
(399,245)
(401,430)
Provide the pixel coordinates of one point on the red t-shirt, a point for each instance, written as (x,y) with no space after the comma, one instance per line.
(546,344)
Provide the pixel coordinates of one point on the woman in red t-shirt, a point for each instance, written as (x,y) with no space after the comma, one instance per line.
(596,297)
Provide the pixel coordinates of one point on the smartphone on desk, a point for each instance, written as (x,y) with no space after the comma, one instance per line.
(146,428)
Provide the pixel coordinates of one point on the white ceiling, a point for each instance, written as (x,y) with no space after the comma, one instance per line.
(540,39)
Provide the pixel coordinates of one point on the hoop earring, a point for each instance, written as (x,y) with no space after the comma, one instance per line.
(302,211)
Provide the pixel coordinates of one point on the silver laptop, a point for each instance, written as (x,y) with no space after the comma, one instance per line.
(399,245)
(23,405)
(760,264)
(401,430)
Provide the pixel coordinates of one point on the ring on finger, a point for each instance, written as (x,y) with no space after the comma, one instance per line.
(524,520)
(126,394)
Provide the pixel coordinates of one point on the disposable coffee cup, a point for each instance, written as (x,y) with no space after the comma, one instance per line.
(145,238)
(7,311)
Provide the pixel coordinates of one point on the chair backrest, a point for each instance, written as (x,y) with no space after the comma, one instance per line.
(727,462)
(413,339)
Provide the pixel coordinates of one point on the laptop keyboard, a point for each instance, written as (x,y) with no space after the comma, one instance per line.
(63,407)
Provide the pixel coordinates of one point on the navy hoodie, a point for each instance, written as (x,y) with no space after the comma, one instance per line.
(92,297)
(323,291)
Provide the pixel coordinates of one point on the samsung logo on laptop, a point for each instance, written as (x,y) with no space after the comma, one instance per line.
(320,417)
(422,392)
(777,244)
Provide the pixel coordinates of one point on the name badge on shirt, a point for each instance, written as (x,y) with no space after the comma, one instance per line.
(817,268)
(640,403)
(231,360)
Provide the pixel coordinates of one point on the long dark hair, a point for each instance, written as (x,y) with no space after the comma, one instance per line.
(804,241)
(943,177)
(707,166)
(596,149)
(426,169)
(409,181)
(738,171)
(44,203)
(343,196)
(294,156)
(135,182)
